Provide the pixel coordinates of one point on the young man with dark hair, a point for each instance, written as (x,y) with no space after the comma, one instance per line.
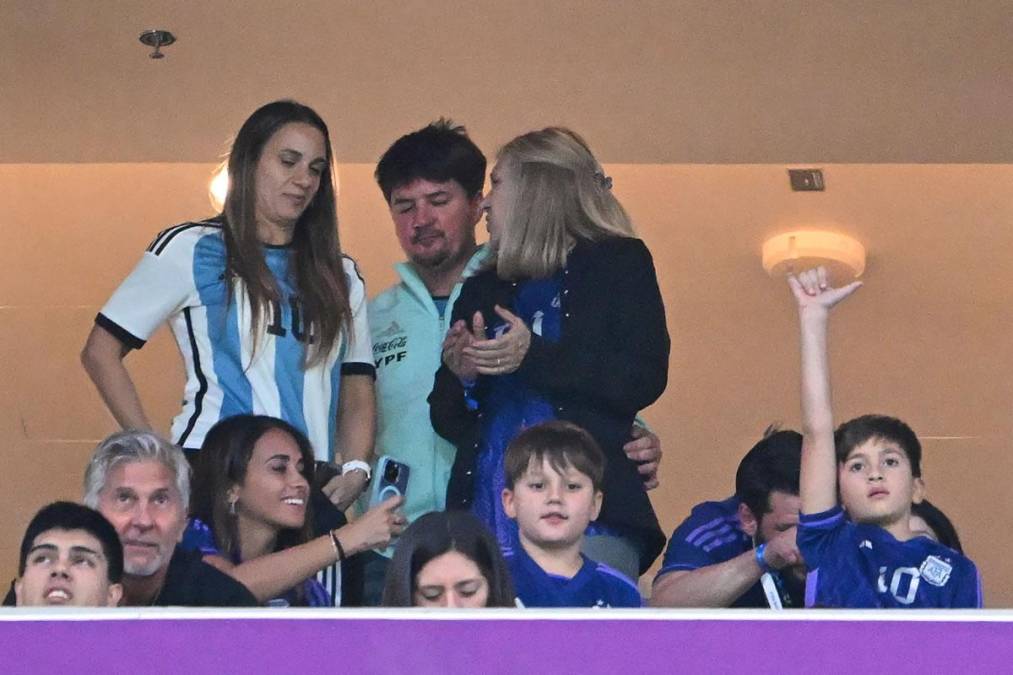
(70,556)
(554,472)
(432,181)
(741,552)
(439,152)
(870,470)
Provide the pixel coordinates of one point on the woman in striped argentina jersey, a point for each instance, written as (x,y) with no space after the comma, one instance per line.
(269,317)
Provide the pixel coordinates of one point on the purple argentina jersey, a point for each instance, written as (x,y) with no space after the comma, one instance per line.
(512,405)
(713,534)
(863,566)
(199,536)
(595,585)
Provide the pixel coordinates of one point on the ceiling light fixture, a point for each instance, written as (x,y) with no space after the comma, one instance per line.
(843,256)
(157,39)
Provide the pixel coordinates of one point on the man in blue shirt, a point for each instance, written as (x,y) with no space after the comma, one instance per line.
(741,552)
(870,469)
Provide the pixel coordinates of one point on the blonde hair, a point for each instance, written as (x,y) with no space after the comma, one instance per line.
(561,196)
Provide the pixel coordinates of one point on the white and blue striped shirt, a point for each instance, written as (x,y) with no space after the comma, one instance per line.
(181,279)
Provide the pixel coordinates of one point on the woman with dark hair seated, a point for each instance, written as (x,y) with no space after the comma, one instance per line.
(448,559)
(251,512)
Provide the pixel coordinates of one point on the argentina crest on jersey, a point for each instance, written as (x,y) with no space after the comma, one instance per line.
(935,571)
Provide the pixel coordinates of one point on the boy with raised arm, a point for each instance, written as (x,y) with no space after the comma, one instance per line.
(868,557)
(553,490)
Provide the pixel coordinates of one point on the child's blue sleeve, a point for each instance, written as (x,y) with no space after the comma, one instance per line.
(968,593)
(818,536)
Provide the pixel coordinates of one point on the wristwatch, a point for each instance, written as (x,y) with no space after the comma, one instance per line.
(358,465)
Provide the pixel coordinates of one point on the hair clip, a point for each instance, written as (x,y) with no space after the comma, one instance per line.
(603,180)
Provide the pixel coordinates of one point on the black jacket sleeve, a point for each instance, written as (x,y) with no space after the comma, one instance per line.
(613,354)
(448,408)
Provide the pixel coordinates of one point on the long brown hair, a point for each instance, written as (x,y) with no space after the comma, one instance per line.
(319,276)
(222,463)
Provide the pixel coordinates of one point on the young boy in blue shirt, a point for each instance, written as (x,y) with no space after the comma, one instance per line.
(869,557)
(553,490)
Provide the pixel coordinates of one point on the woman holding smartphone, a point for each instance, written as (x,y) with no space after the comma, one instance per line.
(250,512)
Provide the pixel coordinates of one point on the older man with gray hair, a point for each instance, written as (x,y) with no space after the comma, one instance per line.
(141,483)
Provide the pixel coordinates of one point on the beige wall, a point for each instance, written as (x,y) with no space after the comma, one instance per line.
(927,339)
(667,81)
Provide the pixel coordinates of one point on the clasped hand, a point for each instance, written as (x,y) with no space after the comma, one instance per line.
(470,353)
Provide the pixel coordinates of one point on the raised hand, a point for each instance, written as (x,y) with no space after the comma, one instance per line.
(815,298)
(812,290)
(504,354)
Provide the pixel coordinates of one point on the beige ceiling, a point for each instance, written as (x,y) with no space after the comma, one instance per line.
(682,81)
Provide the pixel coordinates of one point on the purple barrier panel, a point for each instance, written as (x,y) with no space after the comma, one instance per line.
(420,645)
